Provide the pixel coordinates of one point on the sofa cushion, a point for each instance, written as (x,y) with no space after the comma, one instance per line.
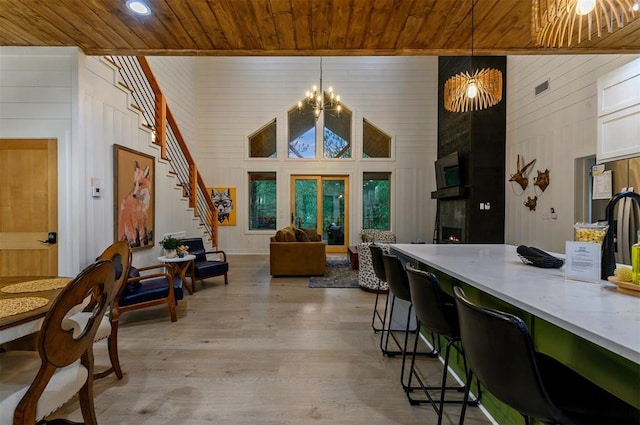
(153,289)
(301,235)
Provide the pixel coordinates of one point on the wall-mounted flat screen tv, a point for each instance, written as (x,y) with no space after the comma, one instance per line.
(448,171)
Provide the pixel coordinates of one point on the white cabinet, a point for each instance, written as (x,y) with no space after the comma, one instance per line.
(619,113)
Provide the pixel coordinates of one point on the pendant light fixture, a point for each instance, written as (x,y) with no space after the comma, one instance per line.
(321,101)
(561,23)
(473,91)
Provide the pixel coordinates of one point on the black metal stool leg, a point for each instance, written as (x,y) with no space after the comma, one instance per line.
(376,313)
(465,400)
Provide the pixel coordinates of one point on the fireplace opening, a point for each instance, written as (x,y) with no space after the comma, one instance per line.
(451,234)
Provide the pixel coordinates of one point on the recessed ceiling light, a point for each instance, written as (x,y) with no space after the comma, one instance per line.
(138,7)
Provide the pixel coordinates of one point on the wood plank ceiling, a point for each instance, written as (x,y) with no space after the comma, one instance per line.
(288,27)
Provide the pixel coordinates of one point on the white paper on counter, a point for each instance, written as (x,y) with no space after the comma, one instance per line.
(582,261)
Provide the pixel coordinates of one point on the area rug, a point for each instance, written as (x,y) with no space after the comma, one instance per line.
(338,275)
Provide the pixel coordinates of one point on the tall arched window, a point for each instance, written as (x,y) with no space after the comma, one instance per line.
(336,134)
(302,132)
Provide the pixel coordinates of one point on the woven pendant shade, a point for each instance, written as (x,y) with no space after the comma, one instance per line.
(489,86)
(474,91)
(558,23)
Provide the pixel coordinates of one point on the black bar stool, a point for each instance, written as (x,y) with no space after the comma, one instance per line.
(378,269)
(435,310)
(399,287)
(501,355)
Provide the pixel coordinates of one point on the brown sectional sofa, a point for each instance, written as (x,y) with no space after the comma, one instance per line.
(297,252)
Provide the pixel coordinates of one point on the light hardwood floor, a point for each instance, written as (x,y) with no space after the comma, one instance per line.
(263,351)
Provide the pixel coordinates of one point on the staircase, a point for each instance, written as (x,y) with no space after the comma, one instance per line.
(147,99)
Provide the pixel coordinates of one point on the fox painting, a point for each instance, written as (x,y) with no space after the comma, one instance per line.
(132,221)
(223,202)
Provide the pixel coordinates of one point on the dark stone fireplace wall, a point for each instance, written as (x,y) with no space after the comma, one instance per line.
(479,137)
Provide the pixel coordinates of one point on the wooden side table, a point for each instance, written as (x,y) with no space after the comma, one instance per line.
(178,266)
(353,257)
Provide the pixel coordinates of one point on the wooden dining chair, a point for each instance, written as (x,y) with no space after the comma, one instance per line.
(35,384)
(119,253)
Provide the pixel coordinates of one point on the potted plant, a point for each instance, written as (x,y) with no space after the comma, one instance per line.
(169,243)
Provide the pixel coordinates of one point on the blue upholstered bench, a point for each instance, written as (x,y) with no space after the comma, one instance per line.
(204,268)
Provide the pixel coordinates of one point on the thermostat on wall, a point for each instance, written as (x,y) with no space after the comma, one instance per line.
(95,187)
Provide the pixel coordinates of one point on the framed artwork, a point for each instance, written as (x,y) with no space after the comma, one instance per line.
(134,197)
(224,201)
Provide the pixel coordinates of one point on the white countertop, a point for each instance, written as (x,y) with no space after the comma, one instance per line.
(595,312)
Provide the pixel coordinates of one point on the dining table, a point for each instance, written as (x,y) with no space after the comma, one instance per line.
(24,301)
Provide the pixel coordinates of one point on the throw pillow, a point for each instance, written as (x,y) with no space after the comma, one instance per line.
(289,235)
(312,235)
(301,235)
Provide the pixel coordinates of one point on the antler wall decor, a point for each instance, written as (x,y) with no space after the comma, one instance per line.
(531,203)
(520,175)
(542,181)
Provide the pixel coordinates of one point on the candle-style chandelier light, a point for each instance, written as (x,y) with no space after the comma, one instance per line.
(473,91)
(319,100)
(561,23)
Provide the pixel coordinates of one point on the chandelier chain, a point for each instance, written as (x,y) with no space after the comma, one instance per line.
(320,101)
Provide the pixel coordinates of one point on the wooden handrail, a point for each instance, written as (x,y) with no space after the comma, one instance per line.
(164,117)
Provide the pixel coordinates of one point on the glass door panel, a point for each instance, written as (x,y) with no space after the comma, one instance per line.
(321,203)
(306,203)
(333,211)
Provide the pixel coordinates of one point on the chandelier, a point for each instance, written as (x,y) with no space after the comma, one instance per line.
(556,23)
(320,100)
(473,91)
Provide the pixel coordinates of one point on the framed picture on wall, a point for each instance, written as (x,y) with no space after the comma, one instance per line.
(134,197)
(224,202)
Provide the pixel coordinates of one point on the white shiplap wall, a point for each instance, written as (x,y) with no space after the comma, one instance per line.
(108,119)
(176,76)
(38,91)
(556,128)
(59,93)
(237,96)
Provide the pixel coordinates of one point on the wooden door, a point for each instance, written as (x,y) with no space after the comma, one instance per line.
(321,203)
(28,207)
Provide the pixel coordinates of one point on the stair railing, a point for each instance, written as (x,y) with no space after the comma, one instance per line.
(137,77)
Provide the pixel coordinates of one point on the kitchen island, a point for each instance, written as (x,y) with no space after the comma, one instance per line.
(588,326)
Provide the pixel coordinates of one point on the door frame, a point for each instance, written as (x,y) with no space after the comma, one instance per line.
(339,249)
(19,245)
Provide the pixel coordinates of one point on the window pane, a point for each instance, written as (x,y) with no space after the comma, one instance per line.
(375,142)
(376,197)
(262,201)
(302,132)
(337,133)
(262,143)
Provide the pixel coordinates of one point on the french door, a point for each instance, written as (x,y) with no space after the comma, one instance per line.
(322,203)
